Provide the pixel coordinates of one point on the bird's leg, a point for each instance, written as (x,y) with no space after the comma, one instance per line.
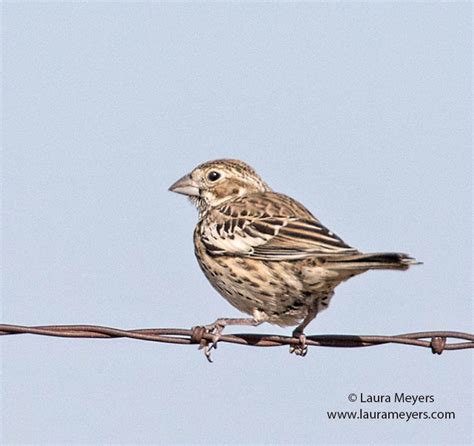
(301,349)
(218,325)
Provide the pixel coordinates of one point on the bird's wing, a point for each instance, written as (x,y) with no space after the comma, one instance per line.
(240,229)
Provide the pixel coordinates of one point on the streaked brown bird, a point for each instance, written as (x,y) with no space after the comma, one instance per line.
(265,253)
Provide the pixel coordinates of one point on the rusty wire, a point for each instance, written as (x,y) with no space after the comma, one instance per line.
(437,341)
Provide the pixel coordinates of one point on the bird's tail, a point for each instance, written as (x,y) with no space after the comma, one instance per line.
(375,260)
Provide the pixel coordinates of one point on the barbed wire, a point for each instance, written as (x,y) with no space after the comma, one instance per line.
(437,341)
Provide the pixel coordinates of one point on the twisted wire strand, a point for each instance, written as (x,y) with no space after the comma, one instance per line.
(437,341)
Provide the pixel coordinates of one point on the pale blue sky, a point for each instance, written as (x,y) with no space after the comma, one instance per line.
(362,111)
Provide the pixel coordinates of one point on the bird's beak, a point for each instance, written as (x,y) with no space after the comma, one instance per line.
(186,186)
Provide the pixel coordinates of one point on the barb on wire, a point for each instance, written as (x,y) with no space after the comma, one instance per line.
(437,341)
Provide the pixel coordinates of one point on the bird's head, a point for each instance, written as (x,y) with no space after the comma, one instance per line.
(214,182)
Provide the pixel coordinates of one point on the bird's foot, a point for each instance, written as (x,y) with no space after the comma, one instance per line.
(215,329)
(300,349)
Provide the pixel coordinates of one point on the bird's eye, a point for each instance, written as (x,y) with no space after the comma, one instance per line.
(213,175)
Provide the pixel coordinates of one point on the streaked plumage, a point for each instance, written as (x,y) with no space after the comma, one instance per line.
(265,252)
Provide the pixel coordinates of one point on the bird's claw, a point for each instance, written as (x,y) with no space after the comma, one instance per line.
(210,345)
(300,349)
(207,346)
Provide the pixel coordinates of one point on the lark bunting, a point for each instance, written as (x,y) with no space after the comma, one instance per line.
(266,253)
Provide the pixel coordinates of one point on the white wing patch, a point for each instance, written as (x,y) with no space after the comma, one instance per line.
(237,237)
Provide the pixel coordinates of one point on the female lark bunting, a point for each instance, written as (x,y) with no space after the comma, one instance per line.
(265,253)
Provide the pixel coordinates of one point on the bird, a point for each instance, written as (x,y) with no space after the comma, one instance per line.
(265,253)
